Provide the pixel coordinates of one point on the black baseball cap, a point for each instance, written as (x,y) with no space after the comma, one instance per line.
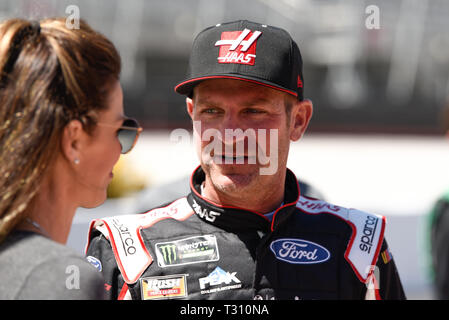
(247,51)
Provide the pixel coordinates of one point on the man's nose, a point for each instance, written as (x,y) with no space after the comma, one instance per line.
(231,129)
(230,121)
(236,134)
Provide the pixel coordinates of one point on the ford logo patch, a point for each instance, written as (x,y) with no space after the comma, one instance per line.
(299,251)
(95,262)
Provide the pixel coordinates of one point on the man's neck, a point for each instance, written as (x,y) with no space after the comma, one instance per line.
(263,201)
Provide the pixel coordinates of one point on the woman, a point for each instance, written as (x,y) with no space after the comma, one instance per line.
(62,129)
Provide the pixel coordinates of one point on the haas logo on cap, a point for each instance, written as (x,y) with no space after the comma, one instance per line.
(238,46)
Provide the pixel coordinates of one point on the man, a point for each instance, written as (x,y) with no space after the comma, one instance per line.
(438,236)
(437,233)
(245,231)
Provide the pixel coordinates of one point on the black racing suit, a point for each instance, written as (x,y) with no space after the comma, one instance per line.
(194,249)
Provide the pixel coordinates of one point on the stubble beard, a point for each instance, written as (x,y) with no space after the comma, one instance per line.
(231,182)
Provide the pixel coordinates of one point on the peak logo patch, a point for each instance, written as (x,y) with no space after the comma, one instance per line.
(219,280)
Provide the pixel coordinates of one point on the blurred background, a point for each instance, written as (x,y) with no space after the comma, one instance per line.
(376,71)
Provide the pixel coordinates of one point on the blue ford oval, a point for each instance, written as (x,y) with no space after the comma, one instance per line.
(299,251)
(95,262)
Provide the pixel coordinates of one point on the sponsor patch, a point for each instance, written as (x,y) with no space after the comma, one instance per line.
(123,232)
(95,262)
(386,256)
(318,206)
(299,251)
(367,236)
(368,233)
(164,287)
(238,47)
(209,215)
(186,251)
(219,280)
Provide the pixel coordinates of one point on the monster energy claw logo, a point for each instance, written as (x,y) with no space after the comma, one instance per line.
(168,253)
(188,250)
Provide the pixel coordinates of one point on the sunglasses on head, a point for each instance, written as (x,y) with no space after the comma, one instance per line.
(127,134)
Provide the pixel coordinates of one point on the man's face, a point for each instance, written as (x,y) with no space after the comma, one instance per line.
(243,133)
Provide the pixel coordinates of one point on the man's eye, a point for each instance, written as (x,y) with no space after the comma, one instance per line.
(253,111)
(209,110)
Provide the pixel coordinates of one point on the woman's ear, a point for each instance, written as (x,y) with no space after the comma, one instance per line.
(301,114)
(72,141)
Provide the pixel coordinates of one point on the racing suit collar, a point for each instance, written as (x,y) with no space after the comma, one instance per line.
(237,218)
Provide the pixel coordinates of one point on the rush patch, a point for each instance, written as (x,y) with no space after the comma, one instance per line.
(164,287)
(186,251)
(299,251)
(238,47)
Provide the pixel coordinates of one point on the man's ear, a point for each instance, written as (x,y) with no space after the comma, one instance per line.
(189,105)
(301,114)
(72,139)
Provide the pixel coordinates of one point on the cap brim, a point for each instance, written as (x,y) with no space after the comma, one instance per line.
(186,87)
